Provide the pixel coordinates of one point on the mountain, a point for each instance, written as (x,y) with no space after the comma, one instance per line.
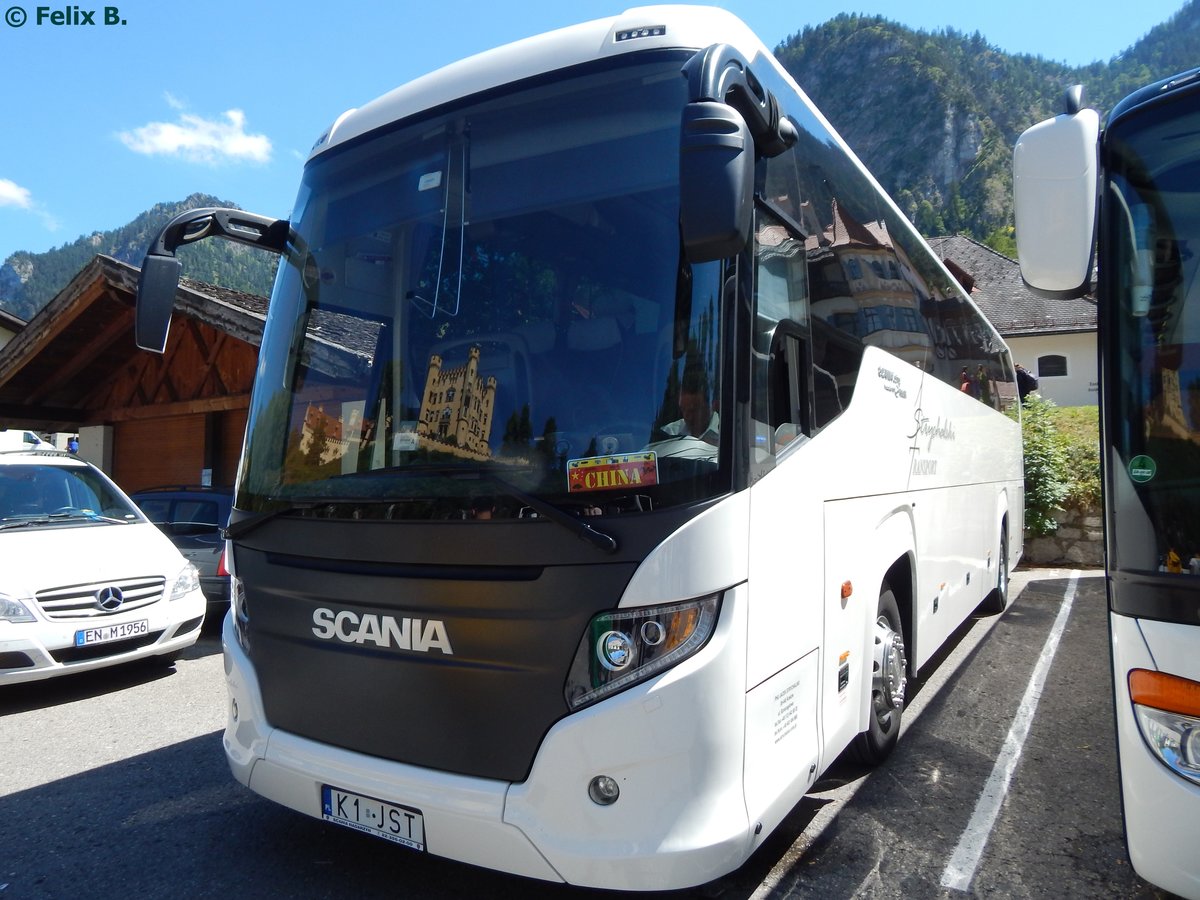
(28,281)
(934,115)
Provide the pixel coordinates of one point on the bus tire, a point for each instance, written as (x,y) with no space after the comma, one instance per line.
(889,681)
(997,600)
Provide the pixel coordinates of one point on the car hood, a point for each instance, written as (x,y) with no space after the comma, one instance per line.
(47,556)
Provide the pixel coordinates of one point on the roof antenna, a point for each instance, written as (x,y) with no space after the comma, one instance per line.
(1073,99)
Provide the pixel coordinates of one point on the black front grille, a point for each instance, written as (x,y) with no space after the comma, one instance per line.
(480,709)
(100,651)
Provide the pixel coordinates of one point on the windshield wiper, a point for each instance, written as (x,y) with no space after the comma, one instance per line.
(52,518)
(24,523)
(90,517)
(574,524)
(242,527)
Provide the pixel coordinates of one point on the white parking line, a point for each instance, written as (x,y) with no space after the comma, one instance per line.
(961,869)
(834,799)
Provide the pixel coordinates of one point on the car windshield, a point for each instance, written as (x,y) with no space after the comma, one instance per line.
(183,515)
(489,309)
(39,491)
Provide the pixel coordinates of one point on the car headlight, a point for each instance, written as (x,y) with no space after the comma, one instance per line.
(187,581)
(14,610)
(1168,714)
(626,646)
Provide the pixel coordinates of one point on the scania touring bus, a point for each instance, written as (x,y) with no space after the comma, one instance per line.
(1138,184)
(610,468)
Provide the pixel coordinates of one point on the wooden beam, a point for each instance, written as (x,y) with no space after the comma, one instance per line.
(117,328)
(166,410)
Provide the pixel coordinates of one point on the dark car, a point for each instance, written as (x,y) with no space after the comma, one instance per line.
(193,517)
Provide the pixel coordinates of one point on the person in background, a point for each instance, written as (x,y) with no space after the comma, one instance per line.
(700,420)
(1026,382)
(73,444)
(985,385)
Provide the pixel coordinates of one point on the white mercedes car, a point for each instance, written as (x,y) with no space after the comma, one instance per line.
(85,579)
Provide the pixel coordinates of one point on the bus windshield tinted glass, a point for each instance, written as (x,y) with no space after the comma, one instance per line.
(1153,203)
(490,305)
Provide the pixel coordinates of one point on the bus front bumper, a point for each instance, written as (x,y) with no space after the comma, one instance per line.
(673,744)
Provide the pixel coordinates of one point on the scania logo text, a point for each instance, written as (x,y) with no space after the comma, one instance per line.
(404,633)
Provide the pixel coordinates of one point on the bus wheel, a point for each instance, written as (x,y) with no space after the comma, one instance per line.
(997,601)
(889,680)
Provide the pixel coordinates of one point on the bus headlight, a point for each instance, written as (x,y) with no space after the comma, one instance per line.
(241,612)
(1168,714)
(625,646)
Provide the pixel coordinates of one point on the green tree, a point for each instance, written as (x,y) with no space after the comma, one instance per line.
(1047,466)
(1003,240)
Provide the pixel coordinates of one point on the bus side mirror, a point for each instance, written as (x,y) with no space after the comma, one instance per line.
(716,181)
(160,268)
(1055,170)
(155,300)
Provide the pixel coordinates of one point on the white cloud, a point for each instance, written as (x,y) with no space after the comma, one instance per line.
(12,194)
(197,139)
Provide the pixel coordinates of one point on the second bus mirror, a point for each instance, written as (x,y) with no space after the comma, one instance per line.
(716,181)
(1054,199)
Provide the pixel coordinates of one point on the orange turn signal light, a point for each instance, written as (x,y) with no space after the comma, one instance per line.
(847,590)
(1169,693)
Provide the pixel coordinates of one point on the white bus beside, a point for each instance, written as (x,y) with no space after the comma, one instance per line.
(1133,192)
(617,454)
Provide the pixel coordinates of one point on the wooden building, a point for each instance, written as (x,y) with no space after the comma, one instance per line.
(146,419)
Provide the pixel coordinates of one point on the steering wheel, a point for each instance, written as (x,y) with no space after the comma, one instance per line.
(623,435)
(684,446)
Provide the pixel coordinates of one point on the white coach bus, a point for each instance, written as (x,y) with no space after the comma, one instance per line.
(1139,181)
(617,454)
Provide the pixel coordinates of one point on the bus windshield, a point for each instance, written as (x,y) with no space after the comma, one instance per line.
(452,344)
(1152,270)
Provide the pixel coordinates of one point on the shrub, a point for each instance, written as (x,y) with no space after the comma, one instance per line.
(1047,466)
(1080,429)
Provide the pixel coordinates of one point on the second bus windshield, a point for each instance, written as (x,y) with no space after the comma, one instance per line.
(497,292)
(1153,275)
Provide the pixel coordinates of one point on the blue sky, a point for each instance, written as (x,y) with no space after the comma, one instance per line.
(226,96)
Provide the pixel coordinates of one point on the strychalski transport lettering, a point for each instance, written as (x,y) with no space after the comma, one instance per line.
(607,423)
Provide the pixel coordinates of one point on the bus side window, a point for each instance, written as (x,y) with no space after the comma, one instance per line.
(782,357)
(787,387)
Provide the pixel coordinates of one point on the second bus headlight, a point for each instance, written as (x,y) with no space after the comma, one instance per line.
(1168,714)
(625,646)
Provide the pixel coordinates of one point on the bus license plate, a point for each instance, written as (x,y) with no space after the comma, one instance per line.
(390,821)
(85,637)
